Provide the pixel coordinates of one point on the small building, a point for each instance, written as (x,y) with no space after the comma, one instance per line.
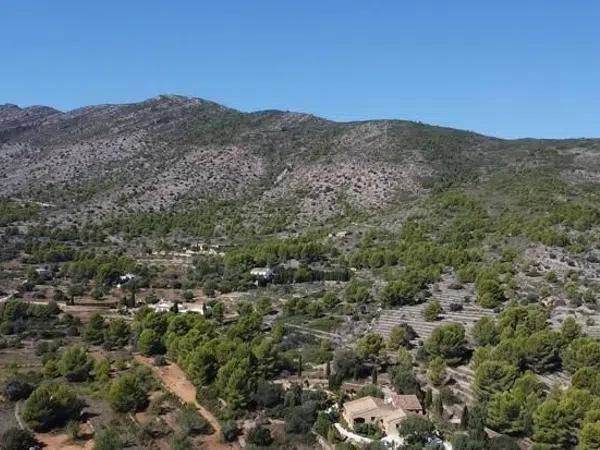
(43,273)
(262,275)
(124,279)
(197,308)
(162,306)
(386,414)
(262,272)
(166,306)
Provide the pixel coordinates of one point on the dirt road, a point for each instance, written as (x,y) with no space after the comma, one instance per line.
(62,442)
(175,381)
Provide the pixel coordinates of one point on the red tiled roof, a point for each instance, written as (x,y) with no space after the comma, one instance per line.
(407,402)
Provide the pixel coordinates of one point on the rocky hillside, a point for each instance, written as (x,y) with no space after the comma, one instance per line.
(174,151)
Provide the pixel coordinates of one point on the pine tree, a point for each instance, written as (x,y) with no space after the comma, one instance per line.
(299,365)
(374,375)
(328,369)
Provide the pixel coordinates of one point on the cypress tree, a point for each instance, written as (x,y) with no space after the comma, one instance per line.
(438,406)
(428,398)
(464,418)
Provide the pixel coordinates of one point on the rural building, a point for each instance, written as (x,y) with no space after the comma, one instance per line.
(262,275)
(166,306)
(43,273)
(262,272)
(198,308)
(124,279)
(386,414)
(162,306)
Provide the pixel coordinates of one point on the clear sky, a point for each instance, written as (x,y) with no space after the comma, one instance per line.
(510,68)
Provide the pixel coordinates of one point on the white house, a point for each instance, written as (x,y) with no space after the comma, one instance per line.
(262,272)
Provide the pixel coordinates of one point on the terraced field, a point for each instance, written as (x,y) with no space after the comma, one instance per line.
(413,315)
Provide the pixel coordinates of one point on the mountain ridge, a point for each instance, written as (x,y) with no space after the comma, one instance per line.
(169,152)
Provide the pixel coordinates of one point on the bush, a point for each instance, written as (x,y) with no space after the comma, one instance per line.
(7,327)
(432,311)
(15,390)
(370,430)
(370,390)
(51,405)
(268,394)
(73,429)
(400,336)
(455,307)
(108,439)
(416,429)
(260,436)
(323,424)
(230,431)
(17,439)
(405,382)
(102,370)
(191,422)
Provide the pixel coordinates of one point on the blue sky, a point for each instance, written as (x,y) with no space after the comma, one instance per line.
(506,68)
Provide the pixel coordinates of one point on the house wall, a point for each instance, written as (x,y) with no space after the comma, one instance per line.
(369,417)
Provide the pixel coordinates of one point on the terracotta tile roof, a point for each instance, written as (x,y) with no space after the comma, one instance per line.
(406,402)
(361,405)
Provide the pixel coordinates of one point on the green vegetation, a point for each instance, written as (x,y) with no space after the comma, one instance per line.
(17,439)
(51,405)
(11,212)
(129,393)
(503,225)
(74,364)
(448,342)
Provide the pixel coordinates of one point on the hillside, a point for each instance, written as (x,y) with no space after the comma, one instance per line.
(393,258)
(175,152)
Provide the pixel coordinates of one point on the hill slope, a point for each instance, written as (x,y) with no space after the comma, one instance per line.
(174,151)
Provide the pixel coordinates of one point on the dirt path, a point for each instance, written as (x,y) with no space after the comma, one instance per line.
(62,442)
(175,381)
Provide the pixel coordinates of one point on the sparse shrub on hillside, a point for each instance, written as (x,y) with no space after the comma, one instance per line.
(400,336)
(108,439)
(432,311)
(230,431)
(16,389)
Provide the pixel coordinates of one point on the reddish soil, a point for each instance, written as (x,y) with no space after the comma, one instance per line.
(62,442)
(175,381)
